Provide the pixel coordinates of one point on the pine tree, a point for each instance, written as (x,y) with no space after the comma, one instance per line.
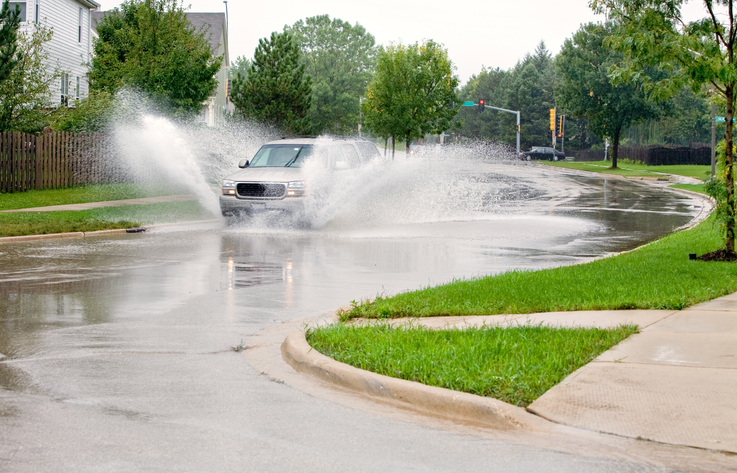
(9,54)
(277,92)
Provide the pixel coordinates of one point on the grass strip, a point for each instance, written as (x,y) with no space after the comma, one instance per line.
(631,169)
(105,218)
(513,364)
(656,276)
(82,195)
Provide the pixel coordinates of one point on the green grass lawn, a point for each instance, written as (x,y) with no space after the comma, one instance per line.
(516,364)
(81,195)
(657,276)
(630,169)
(105,218)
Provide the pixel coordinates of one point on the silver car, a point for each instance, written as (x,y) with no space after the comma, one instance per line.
(273,178)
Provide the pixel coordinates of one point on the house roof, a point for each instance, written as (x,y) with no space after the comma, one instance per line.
(89,3)
(216,24)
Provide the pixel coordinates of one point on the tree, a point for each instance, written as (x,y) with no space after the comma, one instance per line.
(701,53)
(25,94)
(528,87)
(9,54)
(150,45)
(277,91)
(412,92)
(239,67)
(586,90)
(339,57)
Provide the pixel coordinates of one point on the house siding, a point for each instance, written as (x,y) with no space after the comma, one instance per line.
(65,50)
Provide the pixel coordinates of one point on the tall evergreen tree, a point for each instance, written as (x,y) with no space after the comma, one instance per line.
(277,92)
(9,54)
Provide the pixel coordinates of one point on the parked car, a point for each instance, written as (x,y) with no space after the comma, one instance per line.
(540,152)
(273,178)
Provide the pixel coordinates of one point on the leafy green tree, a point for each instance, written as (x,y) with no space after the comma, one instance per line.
(491,85)
(700,52)
(240,67)
(586,90)
(25,94)
(150,45)
(277,91)
(9,54)
(412,92)
(339,57)
(92,113)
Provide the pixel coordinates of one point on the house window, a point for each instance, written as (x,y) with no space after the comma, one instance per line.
(37,3)
(79,38)
(64,88)
(77,89)
(22,6)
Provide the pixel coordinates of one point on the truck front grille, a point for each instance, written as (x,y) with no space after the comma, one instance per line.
(256,189)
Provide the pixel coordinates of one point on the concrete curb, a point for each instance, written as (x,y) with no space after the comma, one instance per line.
(430,400)
(48,236)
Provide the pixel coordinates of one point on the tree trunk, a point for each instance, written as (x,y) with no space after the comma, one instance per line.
(407,140)
(393,146)
(728,163)
(386,145)
(615,146)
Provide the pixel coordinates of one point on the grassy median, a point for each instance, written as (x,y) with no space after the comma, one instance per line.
(105,218)
(82,195)
(515,364)
(631,169)
(657,276)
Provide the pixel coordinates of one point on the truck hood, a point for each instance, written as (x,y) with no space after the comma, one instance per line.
(267,174)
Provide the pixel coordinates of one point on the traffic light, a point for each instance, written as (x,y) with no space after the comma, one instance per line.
(481,105)
(560,127)
(552,119)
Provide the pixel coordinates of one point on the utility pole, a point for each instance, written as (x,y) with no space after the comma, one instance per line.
(360,115)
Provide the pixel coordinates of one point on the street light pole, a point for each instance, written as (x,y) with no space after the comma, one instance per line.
(360,115)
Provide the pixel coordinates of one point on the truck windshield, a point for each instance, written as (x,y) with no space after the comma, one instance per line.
(281,155)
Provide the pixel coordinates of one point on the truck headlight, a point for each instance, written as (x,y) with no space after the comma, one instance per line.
(228,187)
(295,188)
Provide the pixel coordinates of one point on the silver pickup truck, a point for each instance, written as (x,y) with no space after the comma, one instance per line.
(273,178)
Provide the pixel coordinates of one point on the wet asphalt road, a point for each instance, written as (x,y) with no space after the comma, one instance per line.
(118,351)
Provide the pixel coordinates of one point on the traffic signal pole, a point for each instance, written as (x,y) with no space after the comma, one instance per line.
(516,112)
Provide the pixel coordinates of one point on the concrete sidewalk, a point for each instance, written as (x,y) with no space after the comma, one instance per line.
(673,383)
(108,203)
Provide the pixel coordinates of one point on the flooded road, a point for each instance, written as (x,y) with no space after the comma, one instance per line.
(118,352)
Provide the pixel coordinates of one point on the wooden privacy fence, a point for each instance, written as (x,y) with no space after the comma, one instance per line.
(653,155)
(55,160)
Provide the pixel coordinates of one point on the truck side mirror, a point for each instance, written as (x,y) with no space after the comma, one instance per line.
(244,163)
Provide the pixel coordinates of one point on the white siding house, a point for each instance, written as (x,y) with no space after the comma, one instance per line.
(70,46)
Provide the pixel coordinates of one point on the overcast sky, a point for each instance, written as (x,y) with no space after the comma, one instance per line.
(476,33)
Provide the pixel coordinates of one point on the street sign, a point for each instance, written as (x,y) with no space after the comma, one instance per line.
(723,120)
(467,104)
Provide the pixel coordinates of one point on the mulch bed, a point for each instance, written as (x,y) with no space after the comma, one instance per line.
(719,255)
